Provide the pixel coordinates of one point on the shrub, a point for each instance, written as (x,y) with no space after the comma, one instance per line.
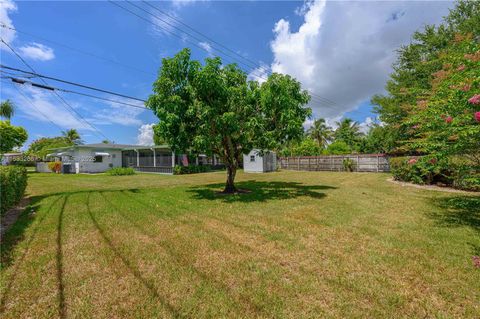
(338,148)
(13,180)
(118,171)
(348,165)
(191,169)
(431,170)
(55,167)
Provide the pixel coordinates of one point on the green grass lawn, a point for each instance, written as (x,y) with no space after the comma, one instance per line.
(300,245)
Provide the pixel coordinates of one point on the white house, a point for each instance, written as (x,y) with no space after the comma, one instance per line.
(97,158)
(254,162)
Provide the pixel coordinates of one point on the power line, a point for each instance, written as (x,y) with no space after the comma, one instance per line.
(52,88)
(72,83)
(319,98)
(55,93)
(76,50)
(204,35)
(36,109)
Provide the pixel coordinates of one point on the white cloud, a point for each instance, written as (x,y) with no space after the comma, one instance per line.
(367,124)
(145,134)
(41,106)
(206,46)
(7,7)
(37,51)
(259,74)
(119,114)
(343,51)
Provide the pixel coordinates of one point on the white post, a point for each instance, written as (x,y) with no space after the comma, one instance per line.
(138,158)
(173,159)
(213,159)
(196,160)
(154,158)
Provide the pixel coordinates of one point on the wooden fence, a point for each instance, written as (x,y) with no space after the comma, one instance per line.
(362,163)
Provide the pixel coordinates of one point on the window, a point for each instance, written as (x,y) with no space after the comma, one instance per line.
(98,159)
(252,158)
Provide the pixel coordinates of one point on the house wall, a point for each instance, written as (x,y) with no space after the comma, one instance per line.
(83,155)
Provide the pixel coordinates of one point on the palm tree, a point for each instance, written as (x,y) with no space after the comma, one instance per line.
(320,132)
(72,136)
(7,109)
(348,131)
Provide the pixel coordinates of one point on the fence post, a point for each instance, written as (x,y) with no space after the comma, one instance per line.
(298,164)
(378,163)
(358,163)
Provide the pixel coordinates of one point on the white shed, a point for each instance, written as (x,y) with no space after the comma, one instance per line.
(254,162)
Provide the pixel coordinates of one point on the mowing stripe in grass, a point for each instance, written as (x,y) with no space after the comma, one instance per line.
(138,275)
(179,259)
(10,241)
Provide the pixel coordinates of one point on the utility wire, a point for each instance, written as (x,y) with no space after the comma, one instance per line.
(56,94)
(72,83)
(3,25)
(52,88)
(36,109)
(256,65)
(320,99)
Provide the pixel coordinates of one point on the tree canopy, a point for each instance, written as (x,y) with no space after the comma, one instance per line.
(212,108)
(7,109)
(72,136)
(11,136)
(430,106)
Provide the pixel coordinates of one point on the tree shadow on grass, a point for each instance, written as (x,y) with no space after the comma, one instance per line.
(259,191)
(459,211)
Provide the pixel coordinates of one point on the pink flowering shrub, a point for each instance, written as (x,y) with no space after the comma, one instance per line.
(412,161)
(448,119)
(476,261)
(474,99)
(477,116)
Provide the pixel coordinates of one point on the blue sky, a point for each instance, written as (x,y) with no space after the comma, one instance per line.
(340,50)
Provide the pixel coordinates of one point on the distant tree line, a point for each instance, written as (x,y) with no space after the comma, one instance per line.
(347,138)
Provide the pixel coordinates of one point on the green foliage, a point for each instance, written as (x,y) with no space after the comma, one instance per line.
(433,78)
(431,170)
(119,171)
(348,131)
(43,146)
(306,147)
(320,132)
(191,169)
(338,148)
(13,181)
(73,137)
(348,164)
(379,139)
(211,108)
(7,109)
(11,136)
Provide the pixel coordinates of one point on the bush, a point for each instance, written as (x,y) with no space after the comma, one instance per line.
(430,170)
(338,148)
(191,169)
(348,165)
(55,167)
(119,171)
(13,180)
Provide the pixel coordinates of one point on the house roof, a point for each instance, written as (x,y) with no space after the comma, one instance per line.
(111,146)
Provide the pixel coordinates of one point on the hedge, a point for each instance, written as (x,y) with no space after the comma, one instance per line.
(191,169)
(450,171)
(118,171)
(13,181)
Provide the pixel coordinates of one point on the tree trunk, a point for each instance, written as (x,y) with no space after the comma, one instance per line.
(230,185)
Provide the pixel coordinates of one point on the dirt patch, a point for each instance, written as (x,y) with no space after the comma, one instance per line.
(431,187)
(11,216)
